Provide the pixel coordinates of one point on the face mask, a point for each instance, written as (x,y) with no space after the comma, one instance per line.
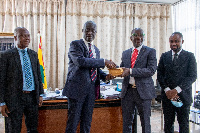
(177,104)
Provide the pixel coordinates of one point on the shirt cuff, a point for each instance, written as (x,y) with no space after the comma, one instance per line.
(178,89)
(167,89)
(2,104)
(41,95)
(130,71)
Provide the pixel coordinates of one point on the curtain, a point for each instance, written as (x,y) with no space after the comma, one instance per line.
(59,25)
(115,21)
(186,16)
(156,22)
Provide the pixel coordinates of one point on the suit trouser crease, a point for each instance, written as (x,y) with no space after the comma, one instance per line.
(170,112)
(29,109)
(129,102)
(81,110)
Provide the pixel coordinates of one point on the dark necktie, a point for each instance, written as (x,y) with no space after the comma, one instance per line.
(134,57)
(93,70)
(28,78)
(175,60)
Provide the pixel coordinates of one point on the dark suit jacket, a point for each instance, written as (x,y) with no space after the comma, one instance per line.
(143,70)
(183,75)
(79,70)
(11,78)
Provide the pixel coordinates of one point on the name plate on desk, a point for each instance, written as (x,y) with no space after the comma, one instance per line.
(116,71)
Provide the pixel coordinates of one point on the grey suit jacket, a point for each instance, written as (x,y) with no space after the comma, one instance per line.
(183,75)
(143,70)
(78,80)
(11,77)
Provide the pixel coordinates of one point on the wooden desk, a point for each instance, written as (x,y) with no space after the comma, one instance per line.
(107,117)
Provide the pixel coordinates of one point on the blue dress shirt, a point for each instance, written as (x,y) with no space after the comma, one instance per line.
(31,71)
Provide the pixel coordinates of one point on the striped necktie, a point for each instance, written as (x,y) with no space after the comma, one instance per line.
(93,70)
(28,78)
(134,57)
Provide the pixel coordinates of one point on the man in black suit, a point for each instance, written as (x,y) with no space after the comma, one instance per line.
(20,84)
(138,89)
(83,72)
(177,70)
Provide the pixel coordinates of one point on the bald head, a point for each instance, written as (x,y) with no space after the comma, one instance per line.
(89,31)
(22,37)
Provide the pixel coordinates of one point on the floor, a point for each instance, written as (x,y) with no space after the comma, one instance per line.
(155,124)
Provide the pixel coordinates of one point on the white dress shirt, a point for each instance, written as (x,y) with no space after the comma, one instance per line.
(132,79)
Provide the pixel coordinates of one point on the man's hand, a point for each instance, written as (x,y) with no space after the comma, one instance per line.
(126,72)
(171,94)
(175,98)
(109,77)
(110,64)
(4,110)
(40,101)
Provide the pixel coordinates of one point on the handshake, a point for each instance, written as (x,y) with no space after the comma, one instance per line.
(110,64)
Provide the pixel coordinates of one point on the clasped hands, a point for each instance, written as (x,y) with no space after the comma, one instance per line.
(172,95)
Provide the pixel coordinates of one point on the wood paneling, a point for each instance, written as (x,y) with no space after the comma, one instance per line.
(105,119)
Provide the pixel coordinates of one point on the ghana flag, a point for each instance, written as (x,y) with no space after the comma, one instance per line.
(40,57)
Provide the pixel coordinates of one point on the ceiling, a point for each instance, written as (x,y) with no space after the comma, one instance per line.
(142,1)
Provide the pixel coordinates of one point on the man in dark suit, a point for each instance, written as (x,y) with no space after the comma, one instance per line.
(20,84)
(139,64)
(84,69)
(177,70)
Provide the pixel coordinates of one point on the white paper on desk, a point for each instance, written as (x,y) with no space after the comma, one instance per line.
(110,91)
(52,94)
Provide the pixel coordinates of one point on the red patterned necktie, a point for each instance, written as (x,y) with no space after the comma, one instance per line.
(134,57)
(93,70)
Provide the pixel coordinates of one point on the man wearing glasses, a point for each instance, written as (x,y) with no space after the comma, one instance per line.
(139,64)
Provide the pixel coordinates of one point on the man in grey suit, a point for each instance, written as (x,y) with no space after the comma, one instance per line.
(20,84)
(139,64)
(83,72)
(177,70)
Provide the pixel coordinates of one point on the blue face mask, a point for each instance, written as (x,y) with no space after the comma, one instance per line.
(177,104)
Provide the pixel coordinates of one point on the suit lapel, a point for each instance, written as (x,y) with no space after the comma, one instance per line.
(143,49)
(129,54)
(181,58)
(17,59)
(169,58)
(97,52)
(85,48)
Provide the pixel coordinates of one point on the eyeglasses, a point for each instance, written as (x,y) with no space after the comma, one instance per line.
(174,41)
(136,35)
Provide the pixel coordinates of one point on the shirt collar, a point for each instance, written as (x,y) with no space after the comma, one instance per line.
(86,42)
(173,53)
(138,48)
(22,49)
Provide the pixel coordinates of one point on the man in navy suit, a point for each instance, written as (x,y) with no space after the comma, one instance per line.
(83,72)
(20,84)
(139,64)
(177,70)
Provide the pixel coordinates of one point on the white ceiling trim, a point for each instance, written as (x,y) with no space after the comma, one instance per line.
(142,1)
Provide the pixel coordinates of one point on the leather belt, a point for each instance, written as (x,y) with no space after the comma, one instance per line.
(26,92)
(132,86)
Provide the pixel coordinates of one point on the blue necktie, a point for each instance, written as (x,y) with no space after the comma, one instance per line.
(28,78)
(93,70)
